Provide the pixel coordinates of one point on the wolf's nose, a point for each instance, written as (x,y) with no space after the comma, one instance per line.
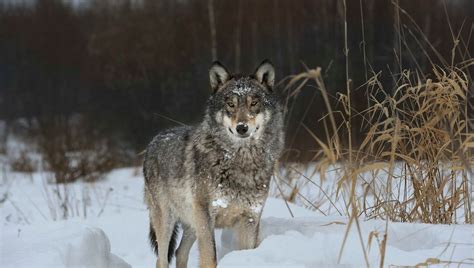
(242,128)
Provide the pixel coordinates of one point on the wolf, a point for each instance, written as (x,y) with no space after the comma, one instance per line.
(215,174)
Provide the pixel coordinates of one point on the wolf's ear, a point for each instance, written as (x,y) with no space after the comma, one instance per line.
(265,74)
(218,75)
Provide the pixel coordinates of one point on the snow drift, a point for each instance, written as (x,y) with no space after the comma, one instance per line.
(62,244)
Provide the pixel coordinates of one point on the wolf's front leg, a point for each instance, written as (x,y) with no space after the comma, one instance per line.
(247,231)
(204,227)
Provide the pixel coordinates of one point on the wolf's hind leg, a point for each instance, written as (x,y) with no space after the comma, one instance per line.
(163,224)
(247,229)
(182,253)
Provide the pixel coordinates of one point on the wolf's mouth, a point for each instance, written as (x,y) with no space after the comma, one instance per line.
(244,136)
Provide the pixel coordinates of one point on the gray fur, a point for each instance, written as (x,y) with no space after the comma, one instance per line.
(205,177)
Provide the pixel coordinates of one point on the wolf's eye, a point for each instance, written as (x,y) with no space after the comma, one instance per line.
(230,104)
(254,103)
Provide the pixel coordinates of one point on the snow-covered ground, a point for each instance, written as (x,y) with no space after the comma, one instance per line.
(105,224)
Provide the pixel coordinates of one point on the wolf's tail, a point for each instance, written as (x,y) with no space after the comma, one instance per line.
(172,245)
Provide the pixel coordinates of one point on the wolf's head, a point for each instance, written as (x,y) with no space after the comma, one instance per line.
(242,105)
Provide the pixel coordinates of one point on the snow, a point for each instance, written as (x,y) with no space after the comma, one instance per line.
(219,203)
(315,242)
(256,208)
(57,244)
(106,225)
(241,90)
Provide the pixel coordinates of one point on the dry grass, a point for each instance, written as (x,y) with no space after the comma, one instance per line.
(416,155)
(422,127)
(72,151)
(415,159)
(417,136)
(414,162)
(23,163)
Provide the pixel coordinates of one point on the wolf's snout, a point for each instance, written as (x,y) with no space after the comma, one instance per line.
(242,128)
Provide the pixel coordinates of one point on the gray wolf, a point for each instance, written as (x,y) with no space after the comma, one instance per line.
(215,174)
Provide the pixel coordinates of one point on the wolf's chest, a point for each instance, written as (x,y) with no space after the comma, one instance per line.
(240,177)
(241,164)
(253,157)
(232,191)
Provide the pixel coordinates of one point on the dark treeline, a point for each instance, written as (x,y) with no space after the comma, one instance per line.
(129,70)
